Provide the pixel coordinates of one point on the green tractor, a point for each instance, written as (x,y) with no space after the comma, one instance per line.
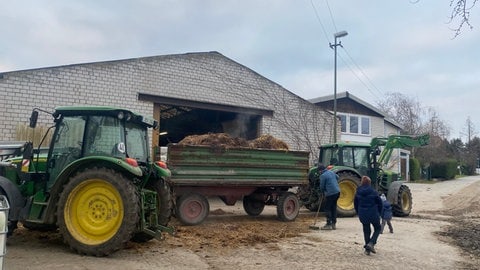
(350,161)
(95,182)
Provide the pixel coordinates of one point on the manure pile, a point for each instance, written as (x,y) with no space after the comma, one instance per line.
(224,140)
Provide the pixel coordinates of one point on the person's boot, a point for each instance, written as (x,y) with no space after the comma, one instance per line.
(327,227)
(334,226)
(371,248)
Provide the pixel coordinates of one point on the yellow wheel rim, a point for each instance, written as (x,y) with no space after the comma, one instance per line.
(347,194)
(93,212)
(405,201)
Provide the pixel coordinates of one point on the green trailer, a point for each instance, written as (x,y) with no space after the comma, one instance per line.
(258,177)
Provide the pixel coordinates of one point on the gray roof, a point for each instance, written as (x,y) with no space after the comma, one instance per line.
(357,100)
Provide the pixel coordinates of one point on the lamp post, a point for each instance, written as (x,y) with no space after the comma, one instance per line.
(334,47)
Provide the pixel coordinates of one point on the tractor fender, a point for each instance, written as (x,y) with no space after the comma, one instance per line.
(392,195)
(15,198)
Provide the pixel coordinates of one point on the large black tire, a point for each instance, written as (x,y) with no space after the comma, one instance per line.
(164,207)
(288,206)
(348,187)
(404,205)
(98,211)
(192,209)
(39,226)
(252,206)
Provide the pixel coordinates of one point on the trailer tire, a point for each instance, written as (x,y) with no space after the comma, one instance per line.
(98,211)
(404,205)
(288,206)
(192,209)
(252,206)
(348,183)
(164,208)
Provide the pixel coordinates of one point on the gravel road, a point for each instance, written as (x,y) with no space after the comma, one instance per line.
(229,239)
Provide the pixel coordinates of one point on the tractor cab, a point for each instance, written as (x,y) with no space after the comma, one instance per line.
(83,133)
(351,155)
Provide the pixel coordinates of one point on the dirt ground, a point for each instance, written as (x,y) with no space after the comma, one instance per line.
(441,233)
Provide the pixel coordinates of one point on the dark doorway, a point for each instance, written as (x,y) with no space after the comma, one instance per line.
(177,122)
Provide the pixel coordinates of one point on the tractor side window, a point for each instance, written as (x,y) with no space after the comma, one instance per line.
(136,138)
(329,156)
(104,137)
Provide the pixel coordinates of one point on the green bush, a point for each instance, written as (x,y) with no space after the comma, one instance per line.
(415,169)
(444,169)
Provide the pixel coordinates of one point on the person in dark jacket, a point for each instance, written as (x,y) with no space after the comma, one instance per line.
(329,186)
(386,214)
(368,206)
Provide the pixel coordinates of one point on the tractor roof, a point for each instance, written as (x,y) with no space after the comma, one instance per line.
(104,110)
(344,144)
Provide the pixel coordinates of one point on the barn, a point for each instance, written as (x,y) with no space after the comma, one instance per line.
(191,93)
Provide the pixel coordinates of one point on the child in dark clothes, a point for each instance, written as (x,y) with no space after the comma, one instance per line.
(386,214)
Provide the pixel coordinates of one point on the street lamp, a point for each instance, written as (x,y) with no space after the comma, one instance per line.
(334,47)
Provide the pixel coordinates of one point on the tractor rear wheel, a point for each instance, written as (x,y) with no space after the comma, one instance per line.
(288,206)
(404,205)
(252,206)
(348,187)
(164,208)
(192,208)
(98,211)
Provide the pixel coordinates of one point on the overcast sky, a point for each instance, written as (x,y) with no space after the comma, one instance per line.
(392,46)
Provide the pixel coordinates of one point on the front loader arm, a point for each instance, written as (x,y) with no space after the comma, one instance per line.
(397,141)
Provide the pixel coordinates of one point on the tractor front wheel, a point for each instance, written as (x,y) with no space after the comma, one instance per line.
(98,211)
(404,205)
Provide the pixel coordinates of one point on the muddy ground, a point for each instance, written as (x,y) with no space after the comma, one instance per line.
(441,233)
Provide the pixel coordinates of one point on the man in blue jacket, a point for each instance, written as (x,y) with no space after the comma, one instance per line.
(329,186)
(368,206)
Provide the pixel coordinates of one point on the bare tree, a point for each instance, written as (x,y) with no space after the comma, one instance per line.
(435,126)
(404,110)
(461,12)
(469,130)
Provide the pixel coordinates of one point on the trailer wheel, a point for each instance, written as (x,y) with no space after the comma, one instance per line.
(348,187)
(164,208)
(192,208)
(288,206)
(404,206)
(253,207)
(98,211)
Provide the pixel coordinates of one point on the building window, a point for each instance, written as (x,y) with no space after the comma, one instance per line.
(365,126)
(355,124)
(343,120)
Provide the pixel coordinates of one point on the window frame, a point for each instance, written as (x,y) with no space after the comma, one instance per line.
(346,126)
